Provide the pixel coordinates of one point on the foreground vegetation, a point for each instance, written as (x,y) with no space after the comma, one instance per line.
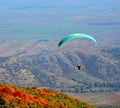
(32,97)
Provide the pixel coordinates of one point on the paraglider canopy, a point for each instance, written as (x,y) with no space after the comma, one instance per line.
(72,36)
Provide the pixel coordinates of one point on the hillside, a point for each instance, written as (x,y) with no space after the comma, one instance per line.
(43,64)
(58,69)
(32,97)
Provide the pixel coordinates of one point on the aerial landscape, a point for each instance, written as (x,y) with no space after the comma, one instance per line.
(60,54)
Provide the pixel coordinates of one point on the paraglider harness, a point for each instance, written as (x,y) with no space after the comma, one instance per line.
(78,67)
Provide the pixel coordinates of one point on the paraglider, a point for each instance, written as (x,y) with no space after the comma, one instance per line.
(72,36)
(79,67)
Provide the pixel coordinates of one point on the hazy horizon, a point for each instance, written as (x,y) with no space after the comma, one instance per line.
(43,18)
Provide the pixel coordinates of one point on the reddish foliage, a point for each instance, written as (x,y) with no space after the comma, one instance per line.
(35,97)
(41,101)
(34,88)
(63,107)
(10,93)
(28,98)
(8,97)
(31,96)
(44,91)
(18,94)
(6,90)
(21,103)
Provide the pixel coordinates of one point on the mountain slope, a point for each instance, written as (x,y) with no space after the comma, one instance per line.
(41,63)
(59,68)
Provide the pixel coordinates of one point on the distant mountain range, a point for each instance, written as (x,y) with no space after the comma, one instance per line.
(25,48)
(41,63)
